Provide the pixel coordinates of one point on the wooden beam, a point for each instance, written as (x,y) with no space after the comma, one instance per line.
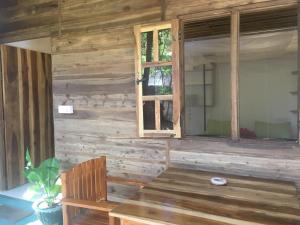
(163,6)
(298,74)
(138,76)
(235,28)
(155,46)
(3,181)
(176,78)
(104,206)
(157,115)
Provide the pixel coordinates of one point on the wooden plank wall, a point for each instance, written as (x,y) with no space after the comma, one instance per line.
(27,91)
(27,19)
(93,69)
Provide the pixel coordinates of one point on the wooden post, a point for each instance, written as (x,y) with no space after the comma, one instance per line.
(114,220)
(64,191)
(176,78)
(298,74)
(157,114)
(235,30)
(3,181)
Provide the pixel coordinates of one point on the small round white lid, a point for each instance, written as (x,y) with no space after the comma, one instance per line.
(219,181)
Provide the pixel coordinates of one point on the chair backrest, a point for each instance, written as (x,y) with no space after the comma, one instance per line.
(86,181)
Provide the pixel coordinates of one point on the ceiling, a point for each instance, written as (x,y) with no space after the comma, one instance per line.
(39,45)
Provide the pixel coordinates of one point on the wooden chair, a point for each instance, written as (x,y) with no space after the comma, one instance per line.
(84,190)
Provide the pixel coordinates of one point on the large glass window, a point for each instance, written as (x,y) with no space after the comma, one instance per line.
(207,78)
(268,75)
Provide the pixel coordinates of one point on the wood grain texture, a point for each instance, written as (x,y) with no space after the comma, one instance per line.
(177,7)
(93,66)
(27,110)
(3,181)
(235,74)
(85,187)
(180,196)
(28,19)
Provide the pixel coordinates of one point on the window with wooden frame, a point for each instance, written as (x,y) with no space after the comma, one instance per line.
(257,65)
(158,79)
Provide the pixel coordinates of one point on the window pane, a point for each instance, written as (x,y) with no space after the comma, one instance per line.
(147,46)
(268,79)
(207,78)
(149,115)
(166,115)
(165,45)
(157,80)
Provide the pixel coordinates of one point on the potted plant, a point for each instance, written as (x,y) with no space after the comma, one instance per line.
(45,180)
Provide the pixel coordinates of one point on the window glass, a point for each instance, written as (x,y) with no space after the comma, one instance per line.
(166,115)
(157,80)
(165,45)
(269,77)
(149,115)
(147,46)
(207,78)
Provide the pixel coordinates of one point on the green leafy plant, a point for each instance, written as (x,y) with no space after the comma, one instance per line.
(44,179)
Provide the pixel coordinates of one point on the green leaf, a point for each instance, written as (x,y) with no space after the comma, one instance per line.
(28,158)
(43,179)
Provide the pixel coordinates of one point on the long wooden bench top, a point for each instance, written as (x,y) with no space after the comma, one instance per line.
(186,197)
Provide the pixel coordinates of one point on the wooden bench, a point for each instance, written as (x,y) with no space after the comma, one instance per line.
(84,190)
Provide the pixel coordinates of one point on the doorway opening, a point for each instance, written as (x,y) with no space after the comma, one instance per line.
(26,111)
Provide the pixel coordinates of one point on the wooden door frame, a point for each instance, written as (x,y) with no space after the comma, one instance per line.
(234,13)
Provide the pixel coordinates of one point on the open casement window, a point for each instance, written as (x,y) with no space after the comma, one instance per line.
(158,79)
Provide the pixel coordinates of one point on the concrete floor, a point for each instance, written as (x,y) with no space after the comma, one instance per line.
(22,192)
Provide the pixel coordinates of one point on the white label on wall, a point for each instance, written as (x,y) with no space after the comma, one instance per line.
(65,109)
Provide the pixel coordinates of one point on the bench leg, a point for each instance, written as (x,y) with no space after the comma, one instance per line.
(114,221)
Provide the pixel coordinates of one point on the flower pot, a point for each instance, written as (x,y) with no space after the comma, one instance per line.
(48,216)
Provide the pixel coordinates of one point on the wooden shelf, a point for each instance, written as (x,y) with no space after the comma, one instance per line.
(294,111)
(295,73)
(294,92)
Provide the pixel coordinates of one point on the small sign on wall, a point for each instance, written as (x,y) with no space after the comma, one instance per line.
(65,109)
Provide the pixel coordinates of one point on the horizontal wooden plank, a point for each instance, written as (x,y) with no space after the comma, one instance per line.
(97,62)
(154,216)
(158,97)
(245,147)
(105,102)
(219,206)
(85,42)
(194,200)
(105,206)
(235,181)
(45,8)
(94,86)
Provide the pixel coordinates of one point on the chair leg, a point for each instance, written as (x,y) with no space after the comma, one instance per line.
(66,216)
(114,221)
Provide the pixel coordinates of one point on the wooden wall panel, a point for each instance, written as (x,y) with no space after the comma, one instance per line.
(27,109)
(248,157)
(87,16)
(2,136)
(93,70)
(28,19)
(85,75)
(14,155)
